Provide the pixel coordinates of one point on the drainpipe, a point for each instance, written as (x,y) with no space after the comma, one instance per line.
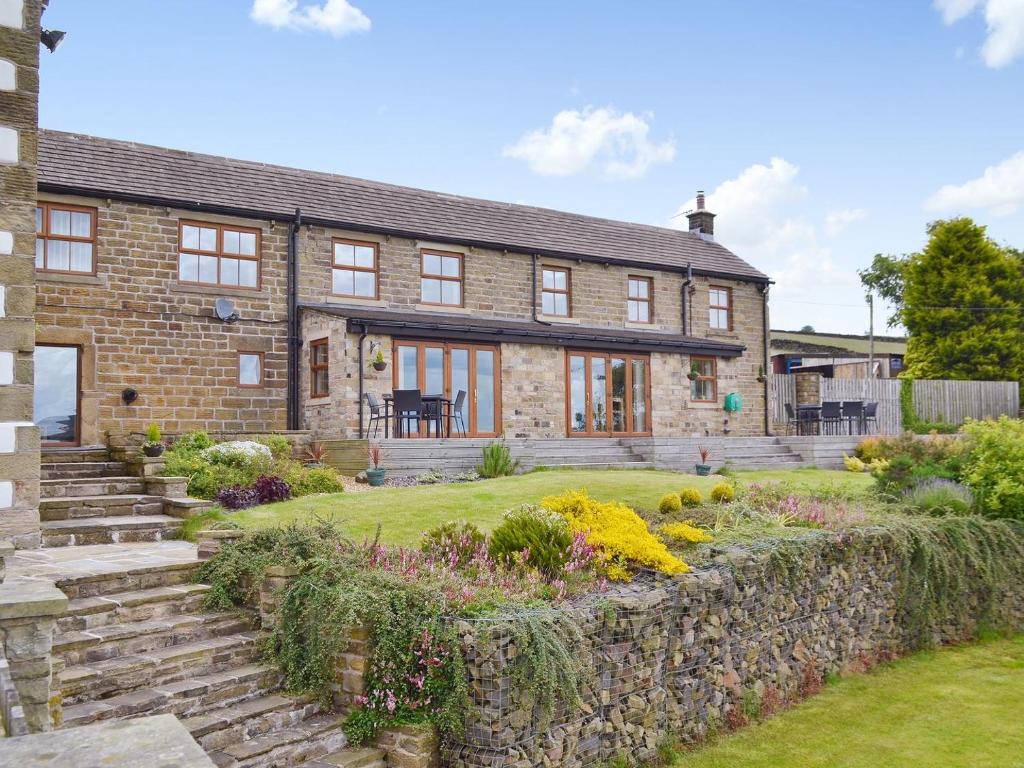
(362,339)
(294,341)
(533,293)
(767,359)
(687,283)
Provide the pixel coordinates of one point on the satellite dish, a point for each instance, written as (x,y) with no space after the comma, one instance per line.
(224,309)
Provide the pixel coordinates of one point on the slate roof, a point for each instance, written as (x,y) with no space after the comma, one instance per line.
(429,324)
(74,163)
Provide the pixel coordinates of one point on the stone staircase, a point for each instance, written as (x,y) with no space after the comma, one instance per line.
(85,498)
(139,642)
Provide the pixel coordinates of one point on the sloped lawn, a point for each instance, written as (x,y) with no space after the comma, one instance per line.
(404,513)
(954,707)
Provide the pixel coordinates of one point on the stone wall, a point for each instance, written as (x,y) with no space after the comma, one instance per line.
(677,656)
(19,102)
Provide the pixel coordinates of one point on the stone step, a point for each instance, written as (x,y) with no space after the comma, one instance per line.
(192,696)
(128,580)
(138,605)
(140,637)
(80,507)
(249,719)
(74,455)
(308,740)
(351,757)
(91,486)
(112,677)
(83,469)
(109,530)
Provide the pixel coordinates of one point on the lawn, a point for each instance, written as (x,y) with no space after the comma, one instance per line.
(403,513)
(955,707)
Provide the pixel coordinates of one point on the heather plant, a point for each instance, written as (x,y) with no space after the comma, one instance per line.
(457,542)
(534,537)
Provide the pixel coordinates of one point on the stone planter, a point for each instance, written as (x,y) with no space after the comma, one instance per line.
(210,542)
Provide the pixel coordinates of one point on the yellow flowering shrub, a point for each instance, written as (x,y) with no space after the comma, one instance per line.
(619,534)
(723,493)
(690,497)
(686,533)
(854,464)
(670,503)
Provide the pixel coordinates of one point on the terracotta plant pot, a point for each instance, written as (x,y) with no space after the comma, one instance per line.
(375,477)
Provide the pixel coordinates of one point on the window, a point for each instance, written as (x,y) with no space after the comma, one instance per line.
(355,269)
(721,308)
(212,254)
(65,238)
(704,389)
(319,382)
(441,278)
(556,296)
(250,369)
(638,299)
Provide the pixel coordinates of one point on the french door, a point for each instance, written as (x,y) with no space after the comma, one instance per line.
(57,394)
(608,394)
(436,368)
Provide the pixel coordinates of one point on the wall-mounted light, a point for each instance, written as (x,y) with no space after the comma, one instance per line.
(129,395)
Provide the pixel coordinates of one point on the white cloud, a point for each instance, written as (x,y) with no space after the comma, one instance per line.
(617,142)
(334,16)
(1005,22)
(1000,189)
(837,221)
(761,216)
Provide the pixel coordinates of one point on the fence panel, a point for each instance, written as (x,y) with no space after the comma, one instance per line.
(783,391)
(886,392)
(955,401)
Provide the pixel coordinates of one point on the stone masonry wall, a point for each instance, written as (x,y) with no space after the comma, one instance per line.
(19,102)
(675,656)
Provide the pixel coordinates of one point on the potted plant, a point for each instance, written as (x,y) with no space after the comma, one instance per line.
(703,469)
(378,361)
(152,447)
(315,455)
(761,378)
(694,372)
(374,473)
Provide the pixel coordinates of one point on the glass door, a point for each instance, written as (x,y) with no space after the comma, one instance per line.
(57,394)
(607,394)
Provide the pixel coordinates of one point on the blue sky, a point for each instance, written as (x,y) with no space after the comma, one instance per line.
(824,132)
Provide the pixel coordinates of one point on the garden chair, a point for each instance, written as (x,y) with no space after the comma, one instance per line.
(408,409)
(870,417)
(853,413)
(378,412)
(454,413)
(831,417)
(791,420)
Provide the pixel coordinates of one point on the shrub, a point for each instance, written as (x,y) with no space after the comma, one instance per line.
(238,497)
(994,466)
(498,461)
(239,453)
(153,433)
(457,542)
(270,489)
(690,497)
(313,480)
(686,533)
(870,448)
(936,496)
(279,445)
(670,503)
(618,534)
(533,536)
(903,472)
(723,493)
(192,442)
(854,464)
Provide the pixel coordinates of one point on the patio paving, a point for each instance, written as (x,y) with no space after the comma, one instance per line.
(96,559)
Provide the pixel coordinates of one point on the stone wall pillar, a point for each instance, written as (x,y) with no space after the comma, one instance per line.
(275,580)
(808,388)
(28,614)
(19,132)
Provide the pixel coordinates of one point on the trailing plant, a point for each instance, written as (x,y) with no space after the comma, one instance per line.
(686,533)
(497,461)
(911,422)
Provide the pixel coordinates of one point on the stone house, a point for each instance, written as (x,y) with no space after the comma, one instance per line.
(554,324)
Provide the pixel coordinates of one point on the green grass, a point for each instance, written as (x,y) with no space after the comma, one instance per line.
(403,513)
(955,707)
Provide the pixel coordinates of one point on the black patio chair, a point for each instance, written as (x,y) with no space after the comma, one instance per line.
(831,417)
(870,417)
(432,414)
(791,420)
(408,409)
(454,413)
(853,413)
(378,412)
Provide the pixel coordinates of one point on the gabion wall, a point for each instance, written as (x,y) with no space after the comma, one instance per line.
(671,655)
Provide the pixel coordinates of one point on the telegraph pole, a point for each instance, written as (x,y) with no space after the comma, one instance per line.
(871,336)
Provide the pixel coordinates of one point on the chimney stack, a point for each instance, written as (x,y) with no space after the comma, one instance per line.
(702,222)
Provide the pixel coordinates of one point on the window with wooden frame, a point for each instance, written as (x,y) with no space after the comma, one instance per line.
(250,369)
(218,255)
(704,387)
(319,366)
(638,299)
(441,278)
(556,292)
(355,269)
(720,300)
(65,238)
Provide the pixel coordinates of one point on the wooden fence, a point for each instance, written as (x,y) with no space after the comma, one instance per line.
(950,401)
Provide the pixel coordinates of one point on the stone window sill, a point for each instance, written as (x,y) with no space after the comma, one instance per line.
(210,290)
(57,277)
(355,301)
(443,310)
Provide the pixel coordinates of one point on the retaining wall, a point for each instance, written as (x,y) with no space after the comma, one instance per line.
(677,655)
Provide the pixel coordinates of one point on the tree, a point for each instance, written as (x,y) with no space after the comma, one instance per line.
(885,278)
(961,300)
(807,329)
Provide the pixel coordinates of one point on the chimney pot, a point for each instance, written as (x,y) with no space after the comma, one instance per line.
(702,221)
(700,199)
